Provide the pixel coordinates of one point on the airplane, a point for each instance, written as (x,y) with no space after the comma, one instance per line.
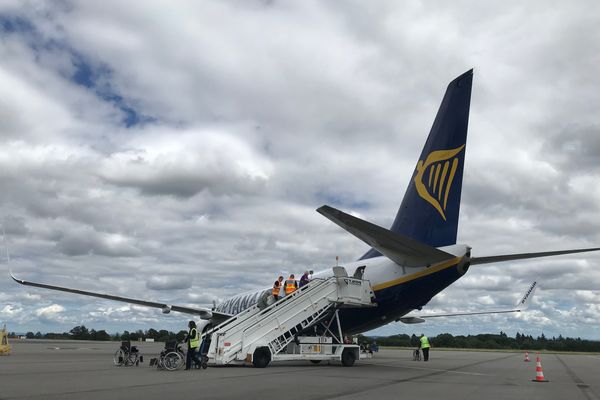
(408,264)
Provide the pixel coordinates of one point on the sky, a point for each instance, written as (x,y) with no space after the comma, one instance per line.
(177,151)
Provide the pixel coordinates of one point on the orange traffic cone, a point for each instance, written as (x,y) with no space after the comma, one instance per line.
(526,357)
(539,374)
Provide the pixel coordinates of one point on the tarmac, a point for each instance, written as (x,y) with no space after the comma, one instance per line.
(45,369)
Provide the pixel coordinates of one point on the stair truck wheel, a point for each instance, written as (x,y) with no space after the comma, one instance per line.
(261,358)
(348,357)
(315,361)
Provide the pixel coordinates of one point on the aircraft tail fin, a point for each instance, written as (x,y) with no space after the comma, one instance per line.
(430,208)
(398,248)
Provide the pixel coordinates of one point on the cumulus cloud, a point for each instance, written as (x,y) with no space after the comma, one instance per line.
(185,163)
(86,241)
(51,313)
(168,283)
(9,311)
(142,150)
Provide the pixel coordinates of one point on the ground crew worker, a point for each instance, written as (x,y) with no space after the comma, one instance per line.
(277,287)
(304,279)
(290,285)
(424,345)
(193,340)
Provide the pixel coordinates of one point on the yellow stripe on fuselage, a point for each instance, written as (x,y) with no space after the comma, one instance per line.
(431,270)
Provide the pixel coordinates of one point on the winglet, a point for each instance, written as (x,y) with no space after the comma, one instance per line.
(526,300)
(20,281)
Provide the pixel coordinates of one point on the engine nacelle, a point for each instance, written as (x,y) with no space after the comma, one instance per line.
(166,309)
(203,325)
(412,320)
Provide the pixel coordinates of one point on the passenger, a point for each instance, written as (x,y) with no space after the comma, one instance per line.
(304,279)
(290,285)
(374,347)
(193,340)
(277,287)
(424,345)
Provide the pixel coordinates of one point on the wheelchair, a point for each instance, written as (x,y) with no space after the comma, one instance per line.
(416,355)
(171,358)
(127,355)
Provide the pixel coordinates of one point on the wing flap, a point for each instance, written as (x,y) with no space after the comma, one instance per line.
(399,248)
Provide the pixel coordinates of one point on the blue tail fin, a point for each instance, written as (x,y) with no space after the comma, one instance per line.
(430,208)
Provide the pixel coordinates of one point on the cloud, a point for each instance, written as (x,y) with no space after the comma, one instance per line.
(183,164)
(86,241)
(14,225)
(9,311)
(168,283)
(51,314)
(191,148)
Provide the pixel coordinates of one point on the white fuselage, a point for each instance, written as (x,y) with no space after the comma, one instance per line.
(380,271)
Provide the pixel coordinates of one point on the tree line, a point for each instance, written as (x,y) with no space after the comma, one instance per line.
(490,341)
(482,341)
(80,332)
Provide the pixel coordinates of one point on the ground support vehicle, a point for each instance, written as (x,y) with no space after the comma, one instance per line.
(304,325)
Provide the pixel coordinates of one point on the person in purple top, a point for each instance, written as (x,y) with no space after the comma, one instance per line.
(304,279)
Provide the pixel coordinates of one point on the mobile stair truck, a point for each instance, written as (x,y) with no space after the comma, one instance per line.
(301,326)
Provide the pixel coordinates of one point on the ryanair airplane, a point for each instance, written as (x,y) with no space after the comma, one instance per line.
(409,263)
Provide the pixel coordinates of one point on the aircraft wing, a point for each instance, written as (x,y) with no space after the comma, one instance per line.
(204,313)
(399,248)
(521,306)
(524,256)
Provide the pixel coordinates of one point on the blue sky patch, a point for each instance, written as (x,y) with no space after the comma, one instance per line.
(342,201)
(95,78)
(92,76)
(14,24)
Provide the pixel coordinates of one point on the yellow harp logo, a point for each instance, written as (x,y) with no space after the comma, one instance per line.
(436,189)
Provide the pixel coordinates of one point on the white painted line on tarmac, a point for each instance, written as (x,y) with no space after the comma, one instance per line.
(449,371)
(596,357)
(430,369)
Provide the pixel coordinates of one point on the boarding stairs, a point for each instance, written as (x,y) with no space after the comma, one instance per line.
(276,326)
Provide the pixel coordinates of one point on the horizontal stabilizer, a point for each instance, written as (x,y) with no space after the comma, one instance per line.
(521,306)
(204,313)
(524,256)
(399,248)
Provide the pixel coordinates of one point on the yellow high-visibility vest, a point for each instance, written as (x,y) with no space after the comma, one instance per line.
(194,338)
